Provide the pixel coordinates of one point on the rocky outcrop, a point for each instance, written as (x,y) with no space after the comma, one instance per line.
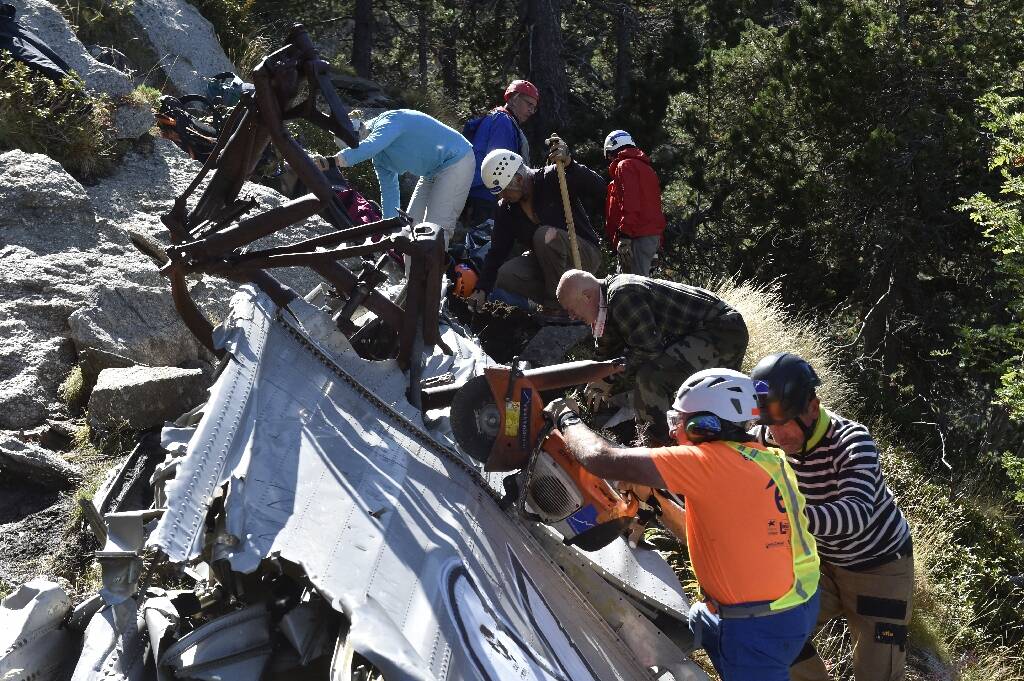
(173,42)
(139,324)
(31,462)
(65,248)
(144,397)
(35,190)
(130,119)
(46,21)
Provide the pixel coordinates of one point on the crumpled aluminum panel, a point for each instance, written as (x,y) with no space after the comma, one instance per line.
(33,643)
(332,469)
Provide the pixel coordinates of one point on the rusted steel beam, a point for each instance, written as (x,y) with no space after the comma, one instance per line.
(345,282)
(190,313)
(273,87)
(382,227)
(257,260)
(318,76)
(250,229)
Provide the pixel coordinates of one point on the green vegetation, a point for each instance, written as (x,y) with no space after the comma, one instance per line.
(74,390)
(60,120)
(966,607)
(852,170)
(94,454)
(144,95)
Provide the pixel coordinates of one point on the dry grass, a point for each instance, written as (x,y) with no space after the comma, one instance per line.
(774,327)
(948,613)
(1001,664)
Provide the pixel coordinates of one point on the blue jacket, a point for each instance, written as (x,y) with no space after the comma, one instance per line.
(497,131)
(406,141)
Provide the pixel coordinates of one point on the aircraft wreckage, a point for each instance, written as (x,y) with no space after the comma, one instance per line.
(366,495)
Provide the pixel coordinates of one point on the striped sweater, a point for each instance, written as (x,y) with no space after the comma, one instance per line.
(851,512)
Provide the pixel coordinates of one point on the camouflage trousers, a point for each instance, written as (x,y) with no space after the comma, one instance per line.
(718,345)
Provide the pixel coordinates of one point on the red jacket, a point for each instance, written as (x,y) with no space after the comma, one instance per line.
(633,205)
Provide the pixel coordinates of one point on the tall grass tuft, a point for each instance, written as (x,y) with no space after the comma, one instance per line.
(776,327)
(965,607)
(60,120)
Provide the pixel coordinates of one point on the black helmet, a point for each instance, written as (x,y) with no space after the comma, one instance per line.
(784,384)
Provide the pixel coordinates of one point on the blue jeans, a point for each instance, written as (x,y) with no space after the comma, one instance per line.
(754,648)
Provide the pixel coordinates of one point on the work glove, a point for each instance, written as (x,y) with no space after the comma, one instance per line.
(597,394)
(476,299)
(563,411)
(558,150)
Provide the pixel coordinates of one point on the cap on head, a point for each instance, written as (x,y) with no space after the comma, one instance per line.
(617,139)
(523,87)
(784,384)
(498,169)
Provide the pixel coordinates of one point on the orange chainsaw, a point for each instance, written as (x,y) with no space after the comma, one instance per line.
(498,419)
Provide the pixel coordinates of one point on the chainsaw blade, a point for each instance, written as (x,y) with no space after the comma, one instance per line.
(600,536)
(475,418)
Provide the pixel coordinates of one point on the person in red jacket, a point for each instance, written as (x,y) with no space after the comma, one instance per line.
(634,221)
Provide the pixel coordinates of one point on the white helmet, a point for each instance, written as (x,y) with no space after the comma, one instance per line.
(498,169)
(617,139)
(727,394)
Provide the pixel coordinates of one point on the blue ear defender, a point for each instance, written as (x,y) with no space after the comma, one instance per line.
(703,424)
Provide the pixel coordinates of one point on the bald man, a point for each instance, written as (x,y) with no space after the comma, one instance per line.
(667,331)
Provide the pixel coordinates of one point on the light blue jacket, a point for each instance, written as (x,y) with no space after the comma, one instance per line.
(406,141)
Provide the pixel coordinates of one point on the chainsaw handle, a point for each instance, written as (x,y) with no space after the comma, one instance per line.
(569,374)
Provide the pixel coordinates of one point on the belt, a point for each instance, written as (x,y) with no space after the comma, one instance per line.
(905,550)
(746,610)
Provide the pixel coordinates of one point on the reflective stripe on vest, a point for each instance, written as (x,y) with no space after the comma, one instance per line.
(806,569)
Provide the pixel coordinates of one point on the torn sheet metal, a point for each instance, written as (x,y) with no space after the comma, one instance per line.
(332,469)
(234,646)
(33,643)
(641,573)
(114,647)
(190,493)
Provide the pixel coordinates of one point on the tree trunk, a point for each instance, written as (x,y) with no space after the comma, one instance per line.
(449,60)
(423,24)
(625,22)
(543,63)
(362,39)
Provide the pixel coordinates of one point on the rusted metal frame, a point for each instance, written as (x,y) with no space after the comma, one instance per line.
(222,219)
(317,71)
(250,229)
(235,164)
(369,279)
(257,260)
(344,281)
(267,99)
(175,219)
(422,303)
(432,292)
(412,312)
(196,321)
(381,227)
(190,313)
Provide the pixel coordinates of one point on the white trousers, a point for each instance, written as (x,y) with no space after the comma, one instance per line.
(440,199)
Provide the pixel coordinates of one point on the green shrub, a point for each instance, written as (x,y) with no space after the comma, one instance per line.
(60,120)
(145,95)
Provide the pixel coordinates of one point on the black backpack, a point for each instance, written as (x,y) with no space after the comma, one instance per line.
(26,47)
(179,121)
